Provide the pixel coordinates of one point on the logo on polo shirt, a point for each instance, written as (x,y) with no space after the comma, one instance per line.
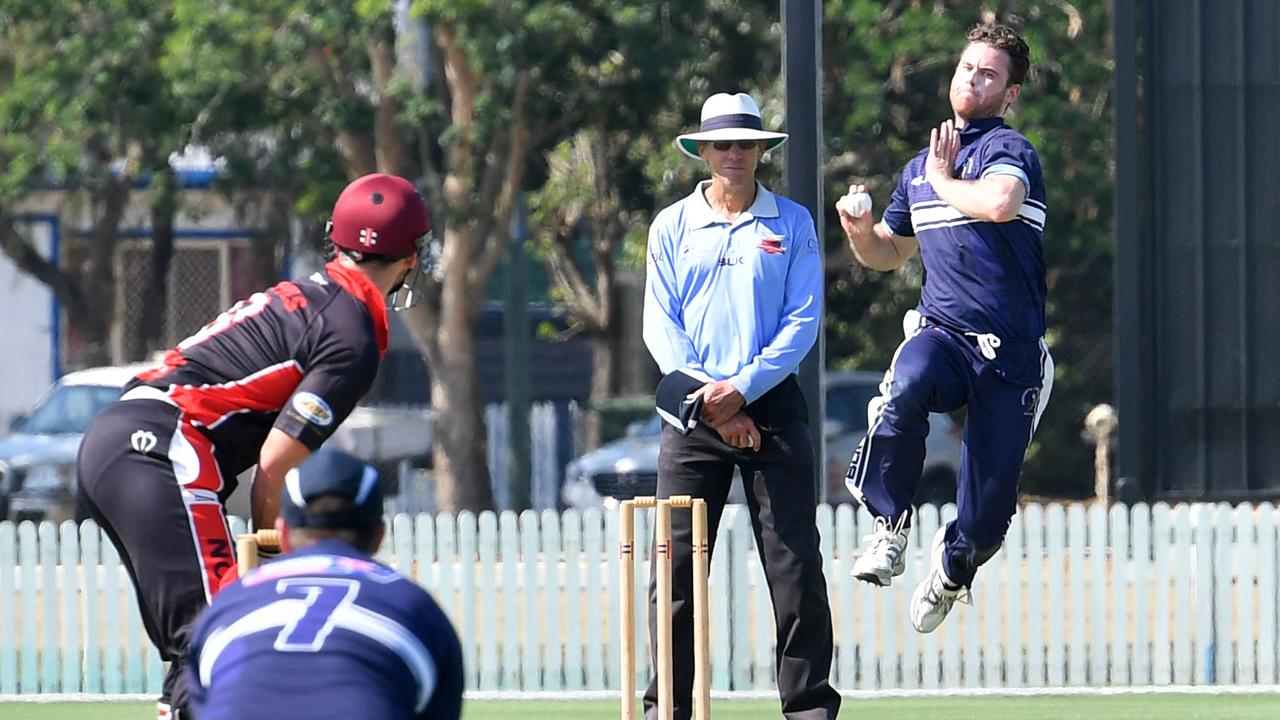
(772,245)
(313,408)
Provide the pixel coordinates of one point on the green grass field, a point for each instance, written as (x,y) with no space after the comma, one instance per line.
(1131,707)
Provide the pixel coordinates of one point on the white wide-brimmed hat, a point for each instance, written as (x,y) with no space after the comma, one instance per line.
(729,117)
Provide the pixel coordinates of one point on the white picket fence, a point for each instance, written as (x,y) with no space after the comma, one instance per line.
(1079,596)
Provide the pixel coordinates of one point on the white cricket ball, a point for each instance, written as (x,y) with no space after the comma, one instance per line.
(856,204)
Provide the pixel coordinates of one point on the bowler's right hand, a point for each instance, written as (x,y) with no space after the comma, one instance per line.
(856,227)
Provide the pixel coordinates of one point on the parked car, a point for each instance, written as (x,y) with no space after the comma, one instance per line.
(850,394)
(38,457)
(628,467)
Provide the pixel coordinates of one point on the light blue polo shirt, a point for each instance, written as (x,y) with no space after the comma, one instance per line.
(737,300)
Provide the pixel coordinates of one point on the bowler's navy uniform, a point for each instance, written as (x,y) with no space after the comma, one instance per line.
(977,343)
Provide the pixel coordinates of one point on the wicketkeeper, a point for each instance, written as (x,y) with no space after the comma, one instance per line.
(326,631)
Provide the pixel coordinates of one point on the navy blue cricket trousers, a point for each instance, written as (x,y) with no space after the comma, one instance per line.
(937,369)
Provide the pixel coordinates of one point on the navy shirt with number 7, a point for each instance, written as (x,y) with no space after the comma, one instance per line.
(325,632)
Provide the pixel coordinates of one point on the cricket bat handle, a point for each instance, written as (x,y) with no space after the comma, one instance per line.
(247,548)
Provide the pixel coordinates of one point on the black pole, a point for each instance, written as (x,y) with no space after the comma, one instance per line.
(802,175)
(1129,339)
(516,341)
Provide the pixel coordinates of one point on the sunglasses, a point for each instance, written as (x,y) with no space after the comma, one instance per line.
(723,145)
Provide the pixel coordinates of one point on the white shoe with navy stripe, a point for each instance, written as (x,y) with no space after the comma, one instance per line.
(936,594)
(884,557)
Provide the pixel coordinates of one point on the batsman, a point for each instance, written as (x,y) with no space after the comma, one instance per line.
(265,384)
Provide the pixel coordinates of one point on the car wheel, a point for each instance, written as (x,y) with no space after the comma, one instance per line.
(937,487)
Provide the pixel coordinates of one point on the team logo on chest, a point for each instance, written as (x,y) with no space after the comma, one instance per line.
(772,245)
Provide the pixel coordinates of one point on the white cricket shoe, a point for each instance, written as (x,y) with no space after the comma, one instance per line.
(885,555)
(935,595)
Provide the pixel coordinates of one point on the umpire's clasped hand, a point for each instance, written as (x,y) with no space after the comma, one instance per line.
(740,432)
(720,401)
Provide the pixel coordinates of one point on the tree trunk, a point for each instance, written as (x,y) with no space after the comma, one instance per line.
(603,365)
(100,273)
(460,452)
(442,324)
(607,348)
(151,335)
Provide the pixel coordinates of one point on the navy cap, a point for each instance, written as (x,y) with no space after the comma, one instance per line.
(675,400)
(332,472)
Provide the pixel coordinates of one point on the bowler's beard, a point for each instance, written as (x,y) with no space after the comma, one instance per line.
(992,108)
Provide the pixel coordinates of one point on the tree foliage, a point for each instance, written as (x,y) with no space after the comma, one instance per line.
(590,216)
(573,101)
(83,106)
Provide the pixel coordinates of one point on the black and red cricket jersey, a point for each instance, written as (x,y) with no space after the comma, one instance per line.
(297,357)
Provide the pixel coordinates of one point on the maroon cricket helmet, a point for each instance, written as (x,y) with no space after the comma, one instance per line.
(380,214)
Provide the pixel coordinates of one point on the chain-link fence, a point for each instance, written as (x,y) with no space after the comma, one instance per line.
(198,288)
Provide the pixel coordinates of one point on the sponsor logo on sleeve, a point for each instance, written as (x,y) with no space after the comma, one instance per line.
(313,408)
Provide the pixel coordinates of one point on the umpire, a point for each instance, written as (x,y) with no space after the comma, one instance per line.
(733,289)
(265,384)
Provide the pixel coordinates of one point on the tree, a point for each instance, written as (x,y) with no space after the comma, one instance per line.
(327,96)
(887,69)
(578,98)
(603,184)
(83,108)
(505,82)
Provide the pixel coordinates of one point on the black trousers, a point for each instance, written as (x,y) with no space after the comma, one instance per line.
(151,483)
(781,498)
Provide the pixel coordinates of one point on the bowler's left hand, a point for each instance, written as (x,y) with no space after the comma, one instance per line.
(944,146)
(720,401)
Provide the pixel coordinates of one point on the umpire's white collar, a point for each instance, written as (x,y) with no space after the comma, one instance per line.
(701,214)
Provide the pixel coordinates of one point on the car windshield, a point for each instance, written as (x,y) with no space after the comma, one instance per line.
(69,409)
(648,428)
